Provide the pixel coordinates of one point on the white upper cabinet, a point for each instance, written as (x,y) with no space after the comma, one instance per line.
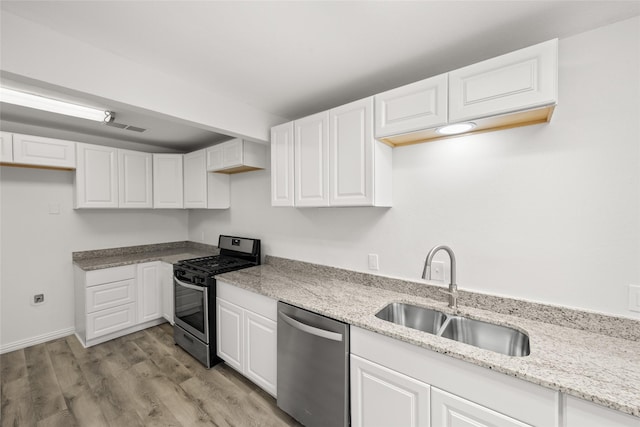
(96,177)
(359,166)
(6,147)
(516,89)
(520,80)
(195,180)
(282,165)
(167,181)
(203,190)
(135,179)
(412,107)
(236,156)
(47,152)
(311,150)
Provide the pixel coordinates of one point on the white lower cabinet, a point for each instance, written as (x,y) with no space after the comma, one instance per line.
(381,397)
(112,302)
(580,413)
(388,375)
(229,336)
(246,334)
(149,291)
(166,280)
(448,410)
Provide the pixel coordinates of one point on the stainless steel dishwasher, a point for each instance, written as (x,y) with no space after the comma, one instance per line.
(313,367)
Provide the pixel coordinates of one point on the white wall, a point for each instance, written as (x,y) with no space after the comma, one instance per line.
(35,251)
(549,213)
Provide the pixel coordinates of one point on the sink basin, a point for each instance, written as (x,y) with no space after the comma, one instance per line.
(488,336)
(411,316)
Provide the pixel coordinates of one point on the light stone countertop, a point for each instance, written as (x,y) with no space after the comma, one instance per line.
(595,367)
(166,252)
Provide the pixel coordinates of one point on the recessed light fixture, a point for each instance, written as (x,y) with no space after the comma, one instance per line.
(24,99)
(456,128)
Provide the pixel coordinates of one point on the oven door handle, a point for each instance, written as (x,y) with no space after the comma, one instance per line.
(334,336)
(189,285)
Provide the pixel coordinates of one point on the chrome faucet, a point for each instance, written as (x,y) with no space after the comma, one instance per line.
(453,287)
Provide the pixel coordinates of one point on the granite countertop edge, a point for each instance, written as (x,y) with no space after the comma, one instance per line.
(118,257)
(575,364)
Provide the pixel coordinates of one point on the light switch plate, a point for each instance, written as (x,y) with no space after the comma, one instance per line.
(634,298)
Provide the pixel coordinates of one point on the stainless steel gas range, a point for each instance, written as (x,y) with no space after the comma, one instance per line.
(195,294)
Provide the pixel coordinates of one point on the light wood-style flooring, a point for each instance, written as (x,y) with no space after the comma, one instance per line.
(142,379)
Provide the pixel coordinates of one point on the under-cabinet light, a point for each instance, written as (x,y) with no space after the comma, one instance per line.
(456,128)
(24,99)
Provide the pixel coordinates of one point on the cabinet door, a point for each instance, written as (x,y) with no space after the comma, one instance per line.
(260,351)
(351,154)
(214,158)
(96,177)
(229,333)
(232,153)
(36,150)
(166,279)
(195,180)
(448,410)
(383,397)
(167,181)
(149,292)
(6,147)
(282,165)
(311,148)
(520,80)
(134,179)
(416,106)
(111,320)
(580,413)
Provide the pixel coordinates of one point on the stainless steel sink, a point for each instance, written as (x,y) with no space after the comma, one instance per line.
(411,316)
(488,336)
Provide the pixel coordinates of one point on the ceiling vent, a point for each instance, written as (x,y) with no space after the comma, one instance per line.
(115,124)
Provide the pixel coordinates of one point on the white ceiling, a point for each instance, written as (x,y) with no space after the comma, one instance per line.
(296,58)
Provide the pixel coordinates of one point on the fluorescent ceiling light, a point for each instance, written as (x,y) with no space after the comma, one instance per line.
(456,128)
(29,100)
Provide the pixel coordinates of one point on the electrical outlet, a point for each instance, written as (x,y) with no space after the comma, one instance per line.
(373,262)
(38,299)
(437,271)
(634,297)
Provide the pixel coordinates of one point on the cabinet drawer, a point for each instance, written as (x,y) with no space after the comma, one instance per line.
(448,410)
(101,297)
(36,150)
(259,304)
(108,275)
(104,322)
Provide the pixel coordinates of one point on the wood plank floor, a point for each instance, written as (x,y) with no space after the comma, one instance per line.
(142,379)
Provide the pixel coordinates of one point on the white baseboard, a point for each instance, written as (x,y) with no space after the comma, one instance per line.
(17,345)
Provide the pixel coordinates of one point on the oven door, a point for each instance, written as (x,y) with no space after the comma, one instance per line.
(192,309)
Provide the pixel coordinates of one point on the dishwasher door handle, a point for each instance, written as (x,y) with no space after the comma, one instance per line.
(334,336)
